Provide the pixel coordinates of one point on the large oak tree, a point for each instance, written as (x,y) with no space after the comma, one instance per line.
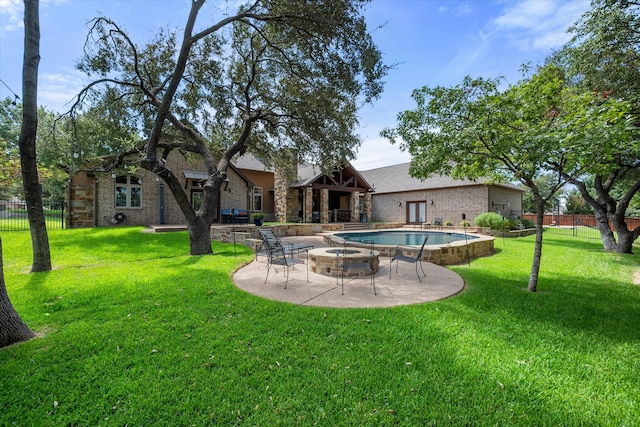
(273,76)
(604,56)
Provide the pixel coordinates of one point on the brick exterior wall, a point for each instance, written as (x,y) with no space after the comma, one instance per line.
(448,203)
(80,203)
(505,202)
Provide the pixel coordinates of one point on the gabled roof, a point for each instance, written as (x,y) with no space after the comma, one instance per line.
(307,173)
(345,178)
(396,178)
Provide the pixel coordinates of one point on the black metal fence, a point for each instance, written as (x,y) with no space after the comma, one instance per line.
(13,216)
(577,225)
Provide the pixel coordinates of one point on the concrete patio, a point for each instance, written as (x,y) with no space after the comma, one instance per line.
(402,289)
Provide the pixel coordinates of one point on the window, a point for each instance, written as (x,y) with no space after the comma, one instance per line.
(257,199)
(128,192)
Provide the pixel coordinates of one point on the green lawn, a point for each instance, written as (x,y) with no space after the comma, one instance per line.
(18,220)
(133,331)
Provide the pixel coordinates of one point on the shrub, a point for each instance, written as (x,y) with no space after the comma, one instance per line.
(515,224)
(527,223)
(448,223)
(491,220)
(465,223)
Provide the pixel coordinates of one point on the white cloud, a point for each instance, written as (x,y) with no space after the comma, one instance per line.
(13,11)
(378,152)
(463,9)
(474,48)
(57,90)
(539,24)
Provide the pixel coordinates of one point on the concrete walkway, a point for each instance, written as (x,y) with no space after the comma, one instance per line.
(402,289)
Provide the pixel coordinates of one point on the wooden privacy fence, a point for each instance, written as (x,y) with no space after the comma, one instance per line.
(13,216)
(576,225)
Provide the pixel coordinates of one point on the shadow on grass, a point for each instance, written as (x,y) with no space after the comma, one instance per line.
(596,305)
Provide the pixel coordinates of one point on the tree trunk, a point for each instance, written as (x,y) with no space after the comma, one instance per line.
(537,251)
(200,236)
(606,233)
(12,328)
(198,223)
(626,237)
(27,141)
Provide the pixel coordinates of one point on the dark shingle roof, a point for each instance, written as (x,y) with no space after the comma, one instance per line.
(396,178)
(250,162)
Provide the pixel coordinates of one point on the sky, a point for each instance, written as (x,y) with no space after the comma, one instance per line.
(432,43)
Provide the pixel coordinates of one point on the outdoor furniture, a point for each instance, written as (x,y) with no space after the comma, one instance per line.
(402,255)
(361,264)
(234,216)
(279,253)
(437,222)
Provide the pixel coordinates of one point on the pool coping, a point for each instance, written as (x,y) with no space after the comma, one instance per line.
(442,254)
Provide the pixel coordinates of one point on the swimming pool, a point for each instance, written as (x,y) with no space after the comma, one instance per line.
(405,237)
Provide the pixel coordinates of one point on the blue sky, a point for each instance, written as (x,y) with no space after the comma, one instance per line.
(433,42)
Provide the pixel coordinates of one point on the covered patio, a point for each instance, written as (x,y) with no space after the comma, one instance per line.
(341,196)
(403,288)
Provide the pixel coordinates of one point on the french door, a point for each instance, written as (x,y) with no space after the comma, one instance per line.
(416,212)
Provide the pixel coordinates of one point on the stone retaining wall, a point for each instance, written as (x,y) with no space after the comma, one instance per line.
(449,254)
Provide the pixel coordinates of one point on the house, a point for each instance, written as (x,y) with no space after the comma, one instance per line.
(96,199)
(398,197)
(313,196)
(385,194)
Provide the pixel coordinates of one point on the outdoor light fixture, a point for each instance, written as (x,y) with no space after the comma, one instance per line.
(113,175)
(399,204)
(431,202)
(226,184)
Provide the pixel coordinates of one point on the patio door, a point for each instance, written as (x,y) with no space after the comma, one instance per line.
(416,212)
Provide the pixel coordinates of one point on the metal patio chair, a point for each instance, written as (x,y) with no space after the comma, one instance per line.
(403,254)
(279,253)
(363,265)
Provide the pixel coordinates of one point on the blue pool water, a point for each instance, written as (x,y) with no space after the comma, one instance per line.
(404,237)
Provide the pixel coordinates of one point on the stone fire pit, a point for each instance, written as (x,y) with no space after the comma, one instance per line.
(328,261)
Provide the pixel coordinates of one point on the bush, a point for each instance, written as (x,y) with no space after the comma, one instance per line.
(527,223)
(515,224)
(448,223)
(491,220)
(465,223)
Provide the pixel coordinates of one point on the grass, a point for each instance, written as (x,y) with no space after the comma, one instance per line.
(134,331)
(20,221)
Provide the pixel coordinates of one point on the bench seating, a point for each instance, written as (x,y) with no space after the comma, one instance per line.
(239,216)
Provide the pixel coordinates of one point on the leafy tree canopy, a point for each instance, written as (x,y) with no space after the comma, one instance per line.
(277,76)
(474,130)
(604,57)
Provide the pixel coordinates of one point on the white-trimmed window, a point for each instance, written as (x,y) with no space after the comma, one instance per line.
(257,199)
(128,192)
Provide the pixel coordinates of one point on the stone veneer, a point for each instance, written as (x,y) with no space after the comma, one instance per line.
(449,254)
(80,213)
